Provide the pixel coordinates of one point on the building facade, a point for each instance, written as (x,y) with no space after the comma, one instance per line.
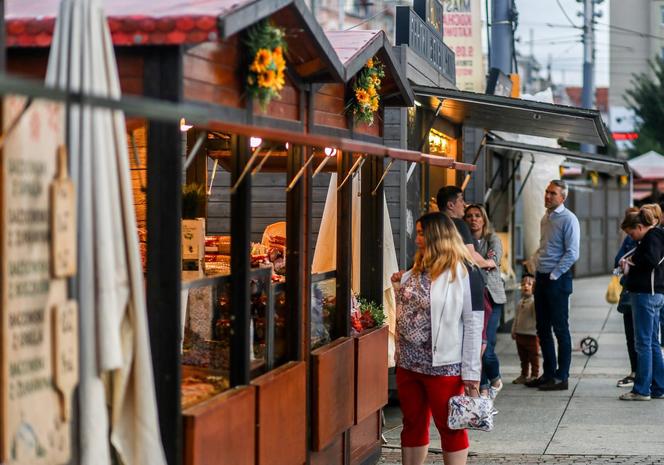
(636,36)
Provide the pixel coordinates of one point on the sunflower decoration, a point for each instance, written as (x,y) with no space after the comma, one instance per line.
(365,101)
(265,77)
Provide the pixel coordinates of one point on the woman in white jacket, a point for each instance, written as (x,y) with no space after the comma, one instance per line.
(438,339)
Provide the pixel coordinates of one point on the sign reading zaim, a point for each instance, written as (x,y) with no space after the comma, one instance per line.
(39,337)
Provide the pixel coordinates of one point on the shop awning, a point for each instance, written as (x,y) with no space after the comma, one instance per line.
(492,112)
(648,166)
(591,162)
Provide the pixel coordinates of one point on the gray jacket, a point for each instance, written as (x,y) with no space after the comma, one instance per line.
(494,282)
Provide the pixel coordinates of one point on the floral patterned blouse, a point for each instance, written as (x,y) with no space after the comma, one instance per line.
(413,328)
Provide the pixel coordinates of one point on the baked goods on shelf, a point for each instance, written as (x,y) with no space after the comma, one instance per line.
(197,388)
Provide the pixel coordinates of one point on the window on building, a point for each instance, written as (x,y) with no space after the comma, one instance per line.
(661,15)
(359,8)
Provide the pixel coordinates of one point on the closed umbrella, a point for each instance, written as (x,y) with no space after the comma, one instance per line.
(116,391)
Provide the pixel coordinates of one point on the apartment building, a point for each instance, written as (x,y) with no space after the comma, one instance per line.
(636,36)
(335,15)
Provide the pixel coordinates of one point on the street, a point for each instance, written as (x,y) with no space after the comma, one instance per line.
(586,424)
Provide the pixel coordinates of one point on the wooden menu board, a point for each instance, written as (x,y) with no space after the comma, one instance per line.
(35,427)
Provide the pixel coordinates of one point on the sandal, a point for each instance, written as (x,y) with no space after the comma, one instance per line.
(626,382)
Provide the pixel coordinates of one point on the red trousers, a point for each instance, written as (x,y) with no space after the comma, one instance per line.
(527,347)
(421,396)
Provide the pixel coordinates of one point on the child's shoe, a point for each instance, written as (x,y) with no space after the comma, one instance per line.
(520,380)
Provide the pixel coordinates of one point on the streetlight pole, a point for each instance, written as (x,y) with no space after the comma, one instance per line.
(588,95)
(501,35)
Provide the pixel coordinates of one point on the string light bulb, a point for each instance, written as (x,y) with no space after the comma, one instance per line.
(255,142)
(184,127)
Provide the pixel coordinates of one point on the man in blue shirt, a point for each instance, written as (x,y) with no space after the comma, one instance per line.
(553,260)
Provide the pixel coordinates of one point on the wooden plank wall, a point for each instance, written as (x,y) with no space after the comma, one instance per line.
(268,202)
(31,62)
(139,174)
(329,106)
(287,107)
(394,133)
(210,73)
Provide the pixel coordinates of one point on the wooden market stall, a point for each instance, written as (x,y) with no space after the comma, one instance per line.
(236,378)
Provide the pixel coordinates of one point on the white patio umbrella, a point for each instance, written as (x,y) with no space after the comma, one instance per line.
(117,395)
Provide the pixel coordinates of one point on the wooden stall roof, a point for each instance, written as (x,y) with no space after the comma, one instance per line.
(30,23)
(354,49)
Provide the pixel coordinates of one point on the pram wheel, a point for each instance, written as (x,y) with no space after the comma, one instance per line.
(589,346)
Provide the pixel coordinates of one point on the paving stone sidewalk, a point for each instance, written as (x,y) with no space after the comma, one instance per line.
(390,457)
(586,424)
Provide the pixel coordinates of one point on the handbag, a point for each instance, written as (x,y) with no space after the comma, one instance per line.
(467,412)
(613,290)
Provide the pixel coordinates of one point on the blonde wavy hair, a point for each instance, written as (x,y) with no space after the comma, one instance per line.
(488,227)
(444,249)
(648,215)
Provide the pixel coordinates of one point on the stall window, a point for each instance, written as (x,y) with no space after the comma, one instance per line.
(207,274)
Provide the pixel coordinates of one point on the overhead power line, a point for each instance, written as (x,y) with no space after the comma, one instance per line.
(630,31)
(565,13)
(544,39)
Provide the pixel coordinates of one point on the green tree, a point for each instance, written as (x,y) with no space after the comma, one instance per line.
(646,98)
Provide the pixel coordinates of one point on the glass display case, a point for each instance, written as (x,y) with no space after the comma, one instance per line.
(207,332)
(323,305)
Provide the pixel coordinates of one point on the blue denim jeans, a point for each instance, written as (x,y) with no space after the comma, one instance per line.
(490,363)
(552,312)
(646,309)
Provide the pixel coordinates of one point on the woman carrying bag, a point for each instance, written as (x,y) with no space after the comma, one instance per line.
(625,304)
(490,248)
(645,283)
(438,339)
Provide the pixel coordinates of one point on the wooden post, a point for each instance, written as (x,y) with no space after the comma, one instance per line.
(298,269)
(344,246)
(163,80)
(3,40)
(298,266)
(240,266)
(371,249)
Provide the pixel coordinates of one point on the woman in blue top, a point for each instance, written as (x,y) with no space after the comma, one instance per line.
(625,307)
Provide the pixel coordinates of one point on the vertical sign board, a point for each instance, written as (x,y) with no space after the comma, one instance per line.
(462,26)
(431,11)
(38,337)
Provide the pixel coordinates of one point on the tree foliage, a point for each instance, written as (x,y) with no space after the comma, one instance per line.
(646,98)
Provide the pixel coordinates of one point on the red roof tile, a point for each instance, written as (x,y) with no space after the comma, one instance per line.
(601,97)
(132,22)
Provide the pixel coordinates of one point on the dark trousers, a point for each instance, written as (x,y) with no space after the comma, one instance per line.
(552,311)
(628,320)
(490,362)
(526,346)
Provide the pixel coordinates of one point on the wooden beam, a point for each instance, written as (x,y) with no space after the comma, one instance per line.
(240,266)
(298,283)
(344,246)
(371,249)
(163,80)
(310,67)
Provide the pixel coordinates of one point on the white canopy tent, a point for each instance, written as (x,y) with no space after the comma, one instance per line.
(325,254)
(116,394)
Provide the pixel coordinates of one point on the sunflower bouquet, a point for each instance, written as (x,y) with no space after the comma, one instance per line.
(265,77)
(365,101)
